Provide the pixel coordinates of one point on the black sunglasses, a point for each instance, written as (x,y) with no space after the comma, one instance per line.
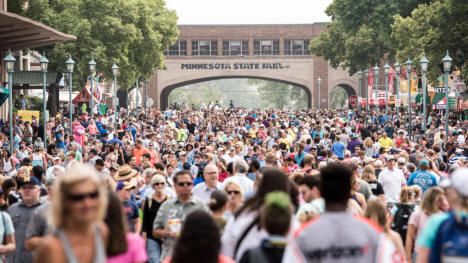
(81,197)
(233,192)
(160,183)
(182,184)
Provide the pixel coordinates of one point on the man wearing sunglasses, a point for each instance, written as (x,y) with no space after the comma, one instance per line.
(21,212)
(172,213)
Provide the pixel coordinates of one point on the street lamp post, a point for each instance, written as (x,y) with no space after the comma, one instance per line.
(398,70)
(319,80)
(424,63)
(376,83)
(92,68)
(447,61)
(366,74)
(409,65)
(386,70)
(10,68)
(360,86)
(70,64)
(115,69)
(145,91)
(136,96)
(44,63)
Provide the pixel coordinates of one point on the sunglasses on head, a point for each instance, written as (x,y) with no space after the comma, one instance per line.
(182,184)
(235,192)
(81,197)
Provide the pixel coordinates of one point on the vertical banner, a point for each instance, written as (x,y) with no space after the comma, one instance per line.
(414,82)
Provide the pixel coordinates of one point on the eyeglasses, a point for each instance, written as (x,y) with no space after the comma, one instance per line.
(81,197)
(160,183)
(183,184)
(235,192)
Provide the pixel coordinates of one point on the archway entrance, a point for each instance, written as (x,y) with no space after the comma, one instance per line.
(241,91)
(339,96)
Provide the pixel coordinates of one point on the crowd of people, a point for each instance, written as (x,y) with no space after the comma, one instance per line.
(234,185)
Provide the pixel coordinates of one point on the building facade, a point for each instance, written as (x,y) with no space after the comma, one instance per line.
(269,52)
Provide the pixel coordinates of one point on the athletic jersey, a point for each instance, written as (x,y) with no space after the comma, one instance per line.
(340,237)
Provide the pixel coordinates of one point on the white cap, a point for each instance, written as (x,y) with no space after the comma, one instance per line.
(378,163)
(459,180)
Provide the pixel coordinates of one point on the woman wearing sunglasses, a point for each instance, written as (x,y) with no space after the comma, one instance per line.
(150,209)
(78,206)
(234,191)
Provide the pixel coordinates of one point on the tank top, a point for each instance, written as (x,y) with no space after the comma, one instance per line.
(354,196)
(37,160)
(99,254)
(7,167)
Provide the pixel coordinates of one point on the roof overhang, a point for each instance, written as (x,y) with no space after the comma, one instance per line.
(18,32)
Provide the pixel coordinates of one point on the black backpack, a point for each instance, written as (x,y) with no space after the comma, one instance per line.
(400,220)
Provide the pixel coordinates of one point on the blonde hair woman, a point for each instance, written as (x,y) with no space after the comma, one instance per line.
(376,212)
(78,206)
(235,193)
(369,148)
(434,201)
(368,175)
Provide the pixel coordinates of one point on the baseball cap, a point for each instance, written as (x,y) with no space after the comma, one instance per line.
(401,160)
(378,163)
(390,158)
(459,181)
(458,150)
(424,162)
(127,185)
(28,180)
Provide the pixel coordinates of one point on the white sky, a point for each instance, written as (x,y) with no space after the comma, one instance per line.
(250,11)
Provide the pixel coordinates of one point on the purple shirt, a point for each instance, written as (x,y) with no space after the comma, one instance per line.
(352,145)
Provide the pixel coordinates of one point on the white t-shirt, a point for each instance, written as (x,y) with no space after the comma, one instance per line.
(391,182)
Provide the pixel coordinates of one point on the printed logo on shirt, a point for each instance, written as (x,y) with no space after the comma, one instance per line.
(337,252)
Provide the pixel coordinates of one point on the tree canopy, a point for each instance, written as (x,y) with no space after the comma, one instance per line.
(360,32)
(131,33)
(433,29)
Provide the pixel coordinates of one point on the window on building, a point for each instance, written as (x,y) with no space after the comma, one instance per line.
(195,48)
(204,47)
(235,47)
(245,47)
(266,47)
(296,47)
(179,48)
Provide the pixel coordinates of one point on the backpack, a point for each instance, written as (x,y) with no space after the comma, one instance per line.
(451,240)
(400,221)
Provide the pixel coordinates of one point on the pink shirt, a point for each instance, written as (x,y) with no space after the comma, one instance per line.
(136,251)
(418,219)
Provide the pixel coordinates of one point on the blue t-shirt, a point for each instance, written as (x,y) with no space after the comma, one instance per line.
(338,149)
(133,131)
(423,179)
(131,212)
(59,140)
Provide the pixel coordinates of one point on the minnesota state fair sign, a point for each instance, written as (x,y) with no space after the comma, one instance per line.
(232,66)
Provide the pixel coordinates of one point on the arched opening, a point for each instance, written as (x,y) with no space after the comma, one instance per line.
(339,96)
(164,97)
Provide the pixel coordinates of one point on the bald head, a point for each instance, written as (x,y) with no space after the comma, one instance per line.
(211,175)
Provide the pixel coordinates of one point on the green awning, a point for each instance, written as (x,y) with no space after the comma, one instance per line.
(3,95)
(33,77)
(418,99)
(438,97)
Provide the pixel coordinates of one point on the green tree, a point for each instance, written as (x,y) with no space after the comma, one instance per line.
(360,32)
(274,94)
(434,29)
(338,97)
(131,33)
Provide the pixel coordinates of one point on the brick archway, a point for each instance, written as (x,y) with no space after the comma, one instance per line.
(164,96)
